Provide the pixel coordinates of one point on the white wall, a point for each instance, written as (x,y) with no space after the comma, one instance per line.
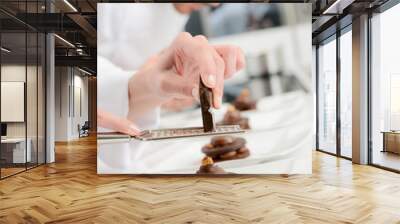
(16,73)
(11,73)
(80,83)
(69,82)
(62,81)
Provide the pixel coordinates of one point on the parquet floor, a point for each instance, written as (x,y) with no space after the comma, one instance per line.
(70,191)
(10,171)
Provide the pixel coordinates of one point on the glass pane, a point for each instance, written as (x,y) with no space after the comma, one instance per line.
(32,89)
(327,97)
(31,98)
(41,98)
(386,89)
(346,94)
(314,84)
(13,88)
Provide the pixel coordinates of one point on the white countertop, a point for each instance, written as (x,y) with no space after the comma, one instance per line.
(280,141)
(13,140)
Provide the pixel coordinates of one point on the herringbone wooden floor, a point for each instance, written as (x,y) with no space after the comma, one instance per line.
(70,191)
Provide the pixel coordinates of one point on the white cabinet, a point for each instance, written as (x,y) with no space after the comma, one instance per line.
(17,148)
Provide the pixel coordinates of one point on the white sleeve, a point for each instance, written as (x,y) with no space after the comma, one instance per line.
(112,94)
(128,34)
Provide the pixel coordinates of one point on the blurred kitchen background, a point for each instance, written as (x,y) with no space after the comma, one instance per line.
(272,36)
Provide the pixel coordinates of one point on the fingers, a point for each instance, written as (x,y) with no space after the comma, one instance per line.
(178,65)
(189,57)
(175,86)
(233,58)
(193,57)
(119,124)
(212,69)
(219,88)
(206,62)
(178,104)
(229,56)
(241,62)
(168,56)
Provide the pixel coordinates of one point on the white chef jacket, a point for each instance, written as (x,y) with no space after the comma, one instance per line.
(127,35)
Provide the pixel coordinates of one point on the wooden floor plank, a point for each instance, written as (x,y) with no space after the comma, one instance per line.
(70,191)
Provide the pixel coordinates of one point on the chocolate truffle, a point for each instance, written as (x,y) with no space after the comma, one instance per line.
(244,101)
(233,117)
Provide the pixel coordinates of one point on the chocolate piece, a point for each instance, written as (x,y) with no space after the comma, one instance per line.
(206,99)
(221,140)
(226,148)
(208,167)
(244,101)
(214,151)
(240,154)
(228,155)
(233,117)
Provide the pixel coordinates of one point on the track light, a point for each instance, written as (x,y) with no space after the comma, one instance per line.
(65,41)
(5,50)
(84,71)
(337,7)
(70,5)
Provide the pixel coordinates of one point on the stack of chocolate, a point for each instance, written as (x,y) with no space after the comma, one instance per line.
(222,148)
(233,117)
(244,102)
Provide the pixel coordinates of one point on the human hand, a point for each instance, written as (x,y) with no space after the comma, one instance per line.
(119,124)
(175,73)
(176,105)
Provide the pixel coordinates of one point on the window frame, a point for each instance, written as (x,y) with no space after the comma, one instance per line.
(334,37)
(381,9)
(31,30)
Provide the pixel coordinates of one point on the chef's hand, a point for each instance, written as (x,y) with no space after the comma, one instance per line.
(119,124)
(176,105)
(176,71)
(234,61)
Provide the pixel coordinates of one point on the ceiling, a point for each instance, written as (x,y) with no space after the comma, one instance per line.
(76,25)
(76,22)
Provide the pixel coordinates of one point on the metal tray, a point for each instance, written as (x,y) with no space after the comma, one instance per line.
(159,134)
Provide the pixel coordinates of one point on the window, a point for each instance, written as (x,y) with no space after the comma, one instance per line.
(385,89)
(327,96)
(346,94)
(329,112)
